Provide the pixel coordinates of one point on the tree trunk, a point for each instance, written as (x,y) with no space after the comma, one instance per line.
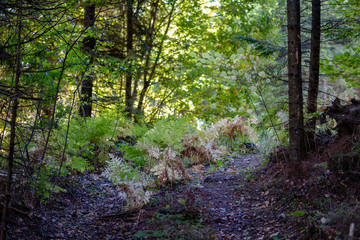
(88,46)
(14,109)
(149,42)
(296,119)
(129,102)
(314,69)
(148,77)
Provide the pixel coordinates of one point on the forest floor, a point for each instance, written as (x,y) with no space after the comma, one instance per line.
(240,200)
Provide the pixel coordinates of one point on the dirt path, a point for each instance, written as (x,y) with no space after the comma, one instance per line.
(240,206)
(220,204)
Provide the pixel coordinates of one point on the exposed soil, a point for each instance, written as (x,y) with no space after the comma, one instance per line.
(230,202)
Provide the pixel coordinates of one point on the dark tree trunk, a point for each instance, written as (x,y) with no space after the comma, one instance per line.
(314,69)
(296,119)
(15,102)
(129,102)
(88,46)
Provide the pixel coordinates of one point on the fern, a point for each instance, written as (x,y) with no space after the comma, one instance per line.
(150,148)
(166,134)
(120,172)
(160,148)
(130,179)
(79,164)
(135,155)
(138,131)
(88,142)
(171,167)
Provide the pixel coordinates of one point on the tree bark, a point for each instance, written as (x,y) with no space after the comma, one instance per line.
(296,119)
(88,46)
(129,102)
(314,69)
(10,161)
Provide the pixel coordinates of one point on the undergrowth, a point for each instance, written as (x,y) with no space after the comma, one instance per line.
(87,145)
(163,152)
(132,156)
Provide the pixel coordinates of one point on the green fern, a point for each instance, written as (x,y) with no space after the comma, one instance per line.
(138,131)
(79,164)
(134,154)
(88,141)
(167,133)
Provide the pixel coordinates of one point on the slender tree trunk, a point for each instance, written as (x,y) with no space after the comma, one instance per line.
(296,119)
(129,45)
(149,42)
(14,109)
(88,46)
(134,94)
(314,69)
(148,77)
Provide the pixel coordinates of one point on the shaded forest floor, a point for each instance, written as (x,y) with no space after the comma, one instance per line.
(229,202)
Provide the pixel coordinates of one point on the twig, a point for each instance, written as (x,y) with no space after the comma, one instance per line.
(267,110)
(256,112)
(67,189)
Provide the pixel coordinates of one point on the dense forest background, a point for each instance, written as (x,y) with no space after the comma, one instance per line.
(138,90)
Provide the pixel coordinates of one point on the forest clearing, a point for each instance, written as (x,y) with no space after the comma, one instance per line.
(180,119)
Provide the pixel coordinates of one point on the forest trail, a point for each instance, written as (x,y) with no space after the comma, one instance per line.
(224,203)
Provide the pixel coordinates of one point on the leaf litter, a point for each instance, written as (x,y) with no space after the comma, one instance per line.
(223,203)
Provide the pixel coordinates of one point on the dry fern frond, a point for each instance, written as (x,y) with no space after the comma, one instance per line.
(196,154)
(204,152)
(171,168)
(231,128)
(198,168)
(210,133)
(130,180)
(214,151)
(136,196)
(169,154)
(192,139)
(154,152)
